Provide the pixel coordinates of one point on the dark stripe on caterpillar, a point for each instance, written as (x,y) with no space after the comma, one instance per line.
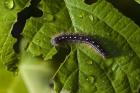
(62,38)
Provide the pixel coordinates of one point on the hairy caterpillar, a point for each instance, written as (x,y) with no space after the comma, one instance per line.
(62,38)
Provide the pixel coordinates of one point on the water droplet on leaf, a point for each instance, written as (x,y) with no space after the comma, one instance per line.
(81,15)
(91,17)
(49,17)
(103,81)
(114,67)
(38,40)
(91,79)
(89,62)
(9,4)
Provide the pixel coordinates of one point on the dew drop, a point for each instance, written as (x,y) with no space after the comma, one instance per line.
(49,17)
(114,67)
(103,81)
(91,17)
(90,62)
(38,40)
(9,4)
(91,79)
(81,15)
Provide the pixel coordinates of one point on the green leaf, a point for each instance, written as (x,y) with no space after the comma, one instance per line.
(40,31)
(138,1)
(8,13)
(36,74)
(10,82)
(82,70)
(85,71)
(9,10)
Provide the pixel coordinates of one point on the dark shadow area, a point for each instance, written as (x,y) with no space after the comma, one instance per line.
(12,66)
(59,57)
(51,84)
(106,47)
(89,2)
(26,13)
(62,52)
(110,47)
(129,8)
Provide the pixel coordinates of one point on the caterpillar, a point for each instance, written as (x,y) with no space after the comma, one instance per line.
(62,38)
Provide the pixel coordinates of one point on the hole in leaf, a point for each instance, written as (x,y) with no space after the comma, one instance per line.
(26,13)
(129,8)
(89,2)
(61,54)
